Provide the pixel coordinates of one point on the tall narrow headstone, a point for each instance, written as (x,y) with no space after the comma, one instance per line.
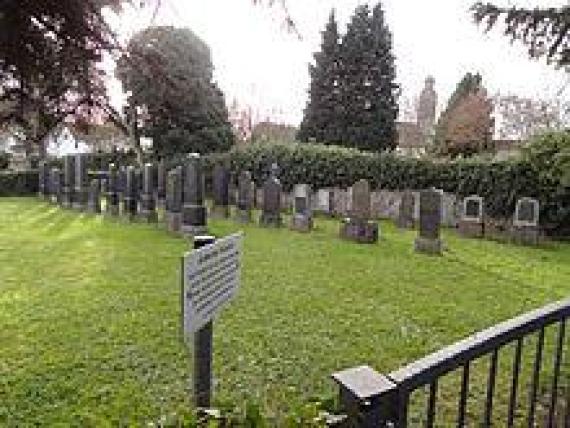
(471,222)
(112,203)
(428,240)
(56,185)
(43,180)
(407,210)
(526,228)
(148,208)
(121,186)
(271,210)
(94,198)
(173,208)
(130,193)
(68,180)
(194,215)
(358,227)
(81,189)
(302,219)
(246,195)
(221,184)
(161,174)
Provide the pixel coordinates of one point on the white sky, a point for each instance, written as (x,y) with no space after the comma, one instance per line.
(259,63)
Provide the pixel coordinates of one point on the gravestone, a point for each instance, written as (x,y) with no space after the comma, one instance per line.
(56,185)
(81,188)
(121,185)
(325,201)
(130,193)
(194,216)
(526,228)
(357,226)
(302,219)
(271,209)
(43,180)
(428,239)
(94,198)
(406,210)
(148,209)
(112,203)
(68,180)
(471,222)
(246,195)
(221,183)
(161,174)
(174,199)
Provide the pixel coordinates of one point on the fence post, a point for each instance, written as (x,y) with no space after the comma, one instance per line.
(368,398)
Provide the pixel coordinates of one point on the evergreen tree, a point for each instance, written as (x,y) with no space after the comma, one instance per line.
(369,93)
(321,116)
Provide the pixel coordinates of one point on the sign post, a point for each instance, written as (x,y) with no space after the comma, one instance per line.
(210,279)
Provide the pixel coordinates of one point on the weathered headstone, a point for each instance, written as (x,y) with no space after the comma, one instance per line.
(43,180)
(68,180)
(271,210)
(148,209)
(302,219)
(121,186)
(161,174)
(112,203)
(173,212)
(428,239)
(358,227)
(94,198)
(194,215)
(130,193)
(246,195)
(471,223)
(526,228)
(325,201)
(221,183)
(407,210)
(56,185)
(81,188)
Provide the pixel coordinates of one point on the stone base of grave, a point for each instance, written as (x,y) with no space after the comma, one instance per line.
(365,232)
(67,198)
(80,200)
(270,220)
(173,221)
(220,211)
(428,246)
(525,235)
(130,208)
(471,229)
(301,223)
(243,216)
(147,211)
(405,223)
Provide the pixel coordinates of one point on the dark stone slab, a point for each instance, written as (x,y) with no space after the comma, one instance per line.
(94,199)
(148,211)
(56,182)
(302,219)
(68,181)
(130,203)
(471,223)
(271,209)
(245,198)
(221,184)
(112,205)
(407,210)
(429,240)
(194,215)
(161,175)
(358,227)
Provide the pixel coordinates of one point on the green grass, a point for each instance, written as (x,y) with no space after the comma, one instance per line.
(89,312)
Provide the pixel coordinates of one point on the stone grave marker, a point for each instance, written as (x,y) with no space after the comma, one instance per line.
(94,198)
(130,193)
(194,215)
(43,180)
(246,195)
(173,213)
(221,185)
(526,228)
(68,180)
(428,240)
(471,223)
(81,187)
(112,203)
(148,208)
(161,175)
(56,185)
(357,226)
(406,210)
(302,219)
(271,209)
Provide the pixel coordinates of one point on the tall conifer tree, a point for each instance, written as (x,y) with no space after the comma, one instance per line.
(321,116)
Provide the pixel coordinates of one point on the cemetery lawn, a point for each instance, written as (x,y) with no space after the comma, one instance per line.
(89,312)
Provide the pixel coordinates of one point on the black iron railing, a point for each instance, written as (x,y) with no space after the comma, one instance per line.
(370,399)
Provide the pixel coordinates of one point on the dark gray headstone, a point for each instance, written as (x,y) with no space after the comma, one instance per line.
(473,208)
(271,210)
(148,207)
(130,193)
(43,180)
(193,210)
(161,175)
(246,195)
(527,212)
(407,210)
(173,213)
(302,219)
(429,240)
(56,185)
(112,195)
(81,188)
(68,181)
(221,183)
(94,199)
(360,207)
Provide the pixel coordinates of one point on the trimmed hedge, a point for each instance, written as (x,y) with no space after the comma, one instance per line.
(500,183)
(18,183)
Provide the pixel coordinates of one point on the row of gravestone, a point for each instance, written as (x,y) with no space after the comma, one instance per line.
(134,194)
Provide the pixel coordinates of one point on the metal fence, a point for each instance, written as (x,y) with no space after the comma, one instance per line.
(370,399)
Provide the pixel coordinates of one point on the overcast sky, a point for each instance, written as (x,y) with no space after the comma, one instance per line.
(260,63)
